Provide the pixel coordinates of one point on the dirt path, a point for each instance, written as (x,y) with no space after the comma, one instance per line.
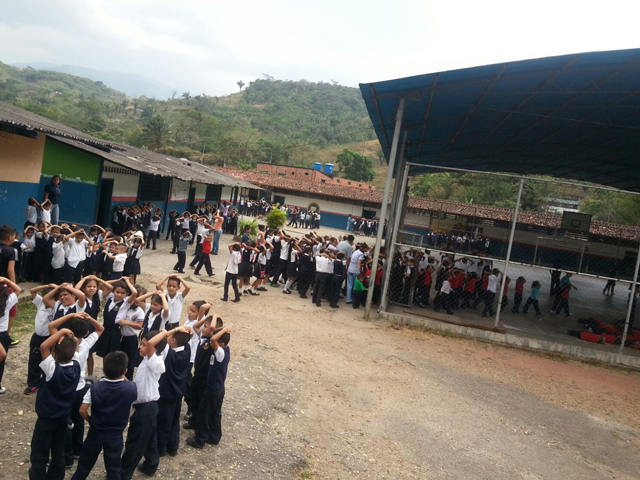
(319,393)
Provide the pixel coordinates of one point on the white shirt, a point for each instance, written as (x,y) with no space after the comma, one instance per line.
(87,396)
(195,338)
(77,252)
(4,320)
(48,365)
(136,315)
(324,265)
(45,215)
(122,311)
(175,307)
(355,258)
(57,261)
(154,225)
(119,261)
(82,354)
(446,287)
(44,316)
(32,214)
(492,286)
(232,264)
(152,317)
(460,265)
(28,244)
(284,253)
(262,259)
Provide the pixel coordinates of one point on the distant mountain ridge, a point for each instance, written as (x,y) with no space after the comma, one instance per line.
(132,84)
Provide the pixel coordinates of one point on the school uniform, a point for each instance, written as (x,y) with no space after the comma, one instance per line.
(202,357)
(53,405)
(113,312)
(59,311)
(75,259)
(175,309)
(231,275)
(141,437)
(172,387)
(209,419)
(244,269)
(91,264)
(182,245)
(154,227)
(110,402)
(57,263)
(324,272)
(75,436)
(44,316)
(336,281)
(129,338)
(117,269)
(132,263)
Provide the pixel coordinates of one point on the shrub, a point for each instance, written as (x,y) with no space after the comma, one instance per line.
(253,223)
(276,218)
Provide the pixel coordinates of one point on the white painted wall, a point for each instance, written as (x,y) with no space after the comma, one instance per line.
(179,191)
(124,185)
(342,208)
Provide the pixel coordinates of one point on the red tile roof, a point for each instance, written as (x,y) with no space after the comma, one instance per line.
(626,232)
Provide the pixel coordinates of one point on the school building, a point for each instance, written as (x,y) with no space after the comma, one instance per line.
(96,175)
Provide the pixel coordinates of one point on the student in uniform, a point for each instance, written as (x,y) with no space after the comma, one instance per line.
(156,312)
(195,319)
(204,257)
(44,315)
(54,404)
(339,270)
(119,260)
(115,310)
(110,400)
(130,327)
(132,264)
(141,437)
(172,388)
(65,299)
(79,324)
(175,297)
(203,352)
(231,272)
(209,417)
(9,292)
(94,289)
(77,243)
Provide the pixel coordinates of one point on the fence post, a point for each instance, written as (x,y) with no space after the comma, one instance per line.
(391,248)
(506,264)
(385,200)
(631,298)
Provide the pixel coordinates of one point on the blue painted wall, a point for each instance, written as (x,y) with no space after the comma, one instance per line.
(13,196)
(78,201)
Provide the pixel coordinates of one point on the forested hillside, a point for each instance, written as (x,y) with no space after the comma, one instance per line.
(268,120)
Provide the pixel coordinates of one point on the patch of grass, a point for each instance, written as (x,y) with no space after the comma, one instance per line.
(305,474)
(23,323)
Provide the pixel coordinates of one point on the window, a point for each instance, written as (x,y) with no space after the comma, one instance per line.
(214,193)
(323,181)
(153,188)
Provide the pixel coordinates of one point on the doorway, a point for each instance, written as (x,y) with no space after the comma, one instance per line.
(192,199)
(104,202)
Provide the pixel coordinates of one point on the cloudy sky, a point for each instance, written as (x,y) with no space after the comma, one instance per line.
(206,46)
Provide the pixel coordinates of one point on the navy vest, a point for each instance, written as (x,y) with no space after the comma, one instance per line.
(173,381)
(55,397)
(338,268)
(218,372)
(201,362)
(111,405)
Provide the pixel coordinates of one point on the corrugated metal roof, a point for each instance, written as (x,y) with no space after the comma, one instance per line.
(571,116)
(144,161)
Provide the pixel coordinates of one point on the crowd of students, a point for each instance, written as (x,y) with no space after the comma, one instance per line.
(464,283)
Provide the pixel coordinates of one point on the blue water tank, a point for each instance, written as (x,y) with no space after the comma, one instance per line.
(317,166)
(328,168)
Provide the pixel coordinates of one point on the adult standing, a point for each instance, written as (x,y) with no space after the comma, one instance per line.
(52,193)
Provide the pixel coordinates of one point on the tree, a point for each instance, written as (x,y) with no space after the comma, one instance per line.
(276,218)
(355,166)
(186,96)
(156,132)
(241,84)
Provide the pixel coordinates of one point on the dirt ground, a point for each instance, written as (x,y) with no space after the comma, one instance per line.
(317,393)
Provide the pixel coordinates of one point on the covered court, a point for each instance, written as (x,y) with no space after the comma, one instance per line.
(572,117)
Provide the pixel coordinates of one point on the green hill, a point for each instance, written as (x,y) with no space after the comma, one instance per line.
(287,122)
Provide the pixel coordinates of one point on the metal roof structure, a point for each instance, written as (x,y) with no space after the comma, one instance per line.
(19,121)
(572,116)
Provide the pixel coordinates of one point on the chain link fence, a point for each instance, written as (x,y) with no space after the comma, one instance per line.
(568,277)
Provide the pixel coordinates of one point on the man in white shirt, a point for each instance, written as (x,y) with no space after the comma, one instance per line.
(231,272)
(490,294)
(324,271)
(354,269)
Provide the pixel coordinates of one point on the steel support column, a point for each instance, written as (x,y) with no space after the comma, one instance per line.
(385,199)
(506,265)
(391,247)
(396,189)
(630,306)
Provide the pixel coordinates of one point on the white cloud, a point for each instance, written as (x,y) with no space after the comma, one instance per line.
(208,45)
